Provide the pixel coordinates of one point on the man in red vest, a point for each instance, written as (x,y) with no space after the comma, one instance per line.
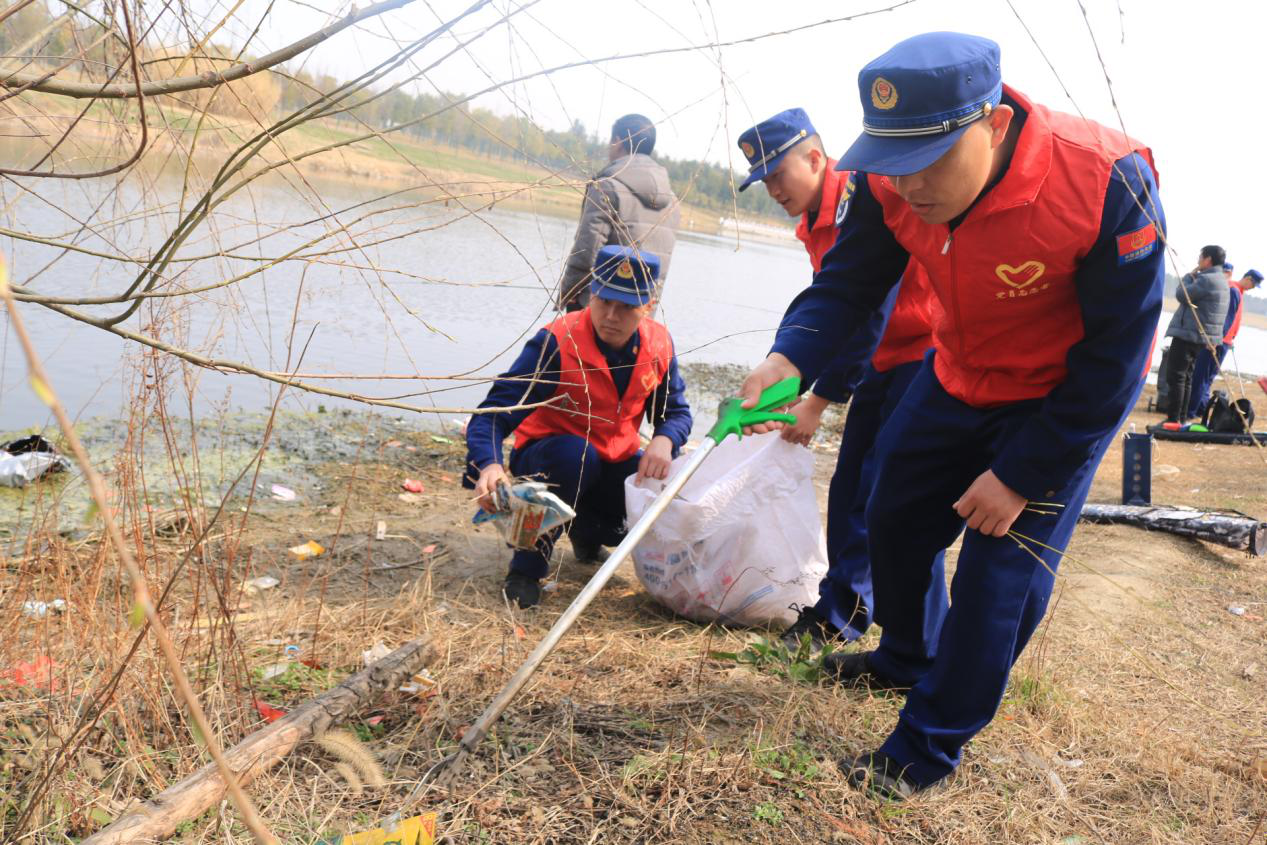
(608,366)
(787,155)
(1040,235)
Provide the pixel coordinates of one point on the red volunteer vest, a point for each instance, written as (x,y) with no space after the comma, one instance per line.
(910,328)
(1235,328)
(1005,278)
(592,409)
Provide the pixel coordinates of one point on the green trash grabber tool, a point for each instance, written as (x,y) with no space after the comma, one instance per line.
(731,419)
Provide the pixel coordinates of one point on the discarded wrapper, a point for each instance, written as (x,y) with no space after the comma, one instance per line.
(40,609)
(274,670)
(524,512)
(283,493)
(419,830)
(375,653)
(259,585)
(380,530)
(306,550)
(419,683)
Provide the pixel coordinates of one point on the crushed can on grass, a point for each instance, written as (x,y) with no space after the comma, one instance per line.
(524,512)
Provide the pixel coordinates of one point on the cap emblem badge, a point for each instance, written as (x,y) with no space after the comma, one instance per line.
(746,149)
(883,94)
(625,270)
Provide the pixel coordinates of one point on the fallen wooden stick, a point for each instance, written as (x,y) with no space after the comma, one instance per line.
(1234,530)
(159,817)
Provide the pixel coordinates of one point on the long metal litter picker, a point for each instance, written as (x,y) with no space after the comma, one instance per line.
(731,419)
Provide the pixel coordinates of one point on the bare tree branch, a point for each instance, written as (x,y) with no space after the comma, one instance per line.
(32,82)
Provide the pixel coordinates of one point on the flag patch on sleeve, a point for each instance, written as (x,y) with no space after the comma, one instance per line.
(1137,245)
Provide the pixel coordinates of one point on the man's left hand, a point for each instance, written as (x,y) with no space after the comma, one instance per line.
(990,506)
(656,459)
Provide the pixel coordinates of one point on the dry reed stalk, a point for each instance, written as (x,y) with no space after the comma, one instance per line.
(42,385)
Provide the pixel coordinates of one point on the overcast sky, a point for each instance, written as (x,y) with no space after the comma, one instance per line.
(1187,76)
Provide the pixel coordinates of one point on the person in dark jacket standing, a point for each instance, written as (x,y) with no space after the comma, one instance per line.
(1210,364)
(1198,322)
(630,203)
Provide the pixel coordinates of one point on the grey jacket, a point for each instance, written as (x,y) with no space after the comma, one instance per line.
(1209,293)
(629,203)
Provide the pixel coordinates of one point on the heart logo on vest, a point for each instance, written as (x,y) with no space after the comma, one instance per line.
(1021,276)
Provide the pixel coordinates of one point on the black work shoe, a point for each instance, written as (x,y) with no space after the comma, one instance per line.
(880,775)
(853,669)
(522,590)
(590,553)
(809,622)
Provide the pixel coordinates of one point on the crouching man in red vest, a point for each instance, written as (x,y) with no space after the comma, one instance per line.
(609,366)
(1042,237)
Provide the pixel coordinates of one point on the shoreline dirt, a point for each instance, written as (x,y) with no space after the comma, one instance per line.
(1137,715)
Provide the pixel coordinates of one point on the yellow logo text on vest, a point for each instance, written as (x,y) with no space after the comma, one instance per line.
(883,94)
(1021,279)
(625,270)
(746,149)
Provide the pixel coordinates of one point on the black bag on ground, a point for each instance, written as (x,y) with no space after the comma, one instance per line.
(32,443)
(1224,415)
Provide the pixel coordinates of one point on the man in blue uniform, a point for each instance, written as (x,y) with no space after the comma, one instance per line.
(608,366)
(1039,232)
(786,153)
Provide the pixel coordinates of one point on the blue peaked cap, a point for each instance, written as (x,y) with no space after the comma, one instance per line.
(1256,276)
(625,274)
(919,98)
(766,144)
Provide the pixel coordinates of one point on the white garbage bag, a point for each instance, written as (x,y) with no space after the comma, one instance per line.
(21,470)
(743,540)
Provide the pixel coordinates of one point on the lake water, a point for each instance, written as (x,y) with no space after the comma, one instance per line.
(441,293)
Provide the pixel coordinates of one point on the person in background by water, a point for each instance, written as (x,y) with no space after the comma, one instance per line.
(787,155)
(612,365)
(1039,234)
(1208,366)
(1203,297)
(629,203)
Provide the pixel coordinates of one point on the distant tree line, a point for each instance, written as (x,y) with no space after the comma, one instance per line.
(576,151)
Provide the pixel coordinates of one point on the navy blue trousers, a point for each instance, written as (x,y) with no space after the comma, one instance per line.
(1203,373)
(932,449)
(845,595)
(578,476)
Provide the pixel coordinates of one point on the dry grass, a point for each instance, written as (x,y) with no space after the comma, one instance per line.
(1137,715)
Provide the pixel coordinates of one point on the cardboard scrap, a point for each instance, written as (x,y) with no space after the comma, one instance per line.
(419,830)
